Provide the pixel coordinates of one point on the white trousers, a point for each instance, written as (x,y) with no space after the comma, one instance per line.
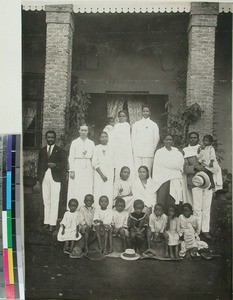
(51,193)
(143,161)
(202,199)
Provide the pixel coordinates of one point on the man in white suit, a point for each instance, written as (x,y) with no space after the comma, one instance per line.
(145,138)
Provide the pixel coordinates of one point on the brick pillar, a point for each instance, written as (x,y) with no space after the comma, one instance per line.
(200,74)
(58,66)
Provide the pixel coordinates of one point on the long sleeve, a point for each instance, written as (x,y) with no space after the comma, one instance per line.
(72,156)
(125,225)
(155,136)
(39,166)
(133,136)
(152,223)
(164,223)
(95,158)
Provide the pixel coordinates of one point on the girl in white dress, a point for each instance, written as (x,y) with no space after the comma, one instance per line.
(69,227)
(171,233)
(103,165)
(80,167)
(123,189)
(109,130)
(122,145)
(144,189)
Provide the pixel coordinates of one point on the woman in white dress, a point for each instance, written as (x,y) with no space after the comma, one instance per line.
(123,155)
(167,174)
(144,189)
(103,165)
(80,167)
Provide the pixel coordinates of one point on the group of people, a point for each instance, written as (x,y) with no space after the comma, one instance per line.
(127,187)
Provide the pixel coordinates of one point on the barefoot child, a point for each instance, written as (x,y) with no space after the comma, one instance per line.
(171,233)
(189,230)
(123,189)
(86,218)
(102,224)
(119,221)
(158,222)
(69,227)
(207,157)
(138,223)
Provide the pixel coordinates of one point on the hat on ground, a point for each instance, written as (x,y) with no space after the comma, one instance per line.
(130,254)
(77,253)
(201,180)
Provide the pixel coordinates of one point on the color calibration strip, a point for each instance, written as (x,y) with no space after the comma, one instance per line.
(11,264)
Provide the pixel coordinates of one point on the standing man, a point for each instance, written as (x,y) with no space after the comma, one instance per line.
(200,198)
(145,138)
(52,164)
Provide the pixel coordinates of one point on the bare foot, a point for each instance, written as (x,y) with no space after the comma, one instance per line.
(105,252)
(166,255)
(110,250)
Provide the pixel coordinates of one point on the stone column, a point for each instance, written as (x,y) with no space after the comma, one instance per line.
(200,74)
(58,66)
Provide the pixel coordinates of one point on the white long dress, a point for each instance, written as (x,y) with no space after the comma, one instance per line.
(70,221)
(81,152)
(103,159)
(146,194)
(123,155)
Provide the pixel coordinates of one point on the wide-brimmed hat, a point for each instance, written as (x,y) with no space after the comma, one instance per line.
(130,254)
(201,180)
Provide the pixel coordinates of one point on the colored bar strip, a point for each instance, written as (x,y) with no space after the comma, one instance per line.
(10,291)
(5,264)
(10,266)
(9,229)
(4,230)
(9,153)
(8,191)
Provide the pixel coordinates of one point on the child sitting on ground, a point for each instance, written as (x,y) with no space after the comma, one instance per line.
(69,227)
(102,224)
(86,218)
(158,221)
(119,220)
(189,230)
(207,157)
(138,223)
(123,188)
(171,233)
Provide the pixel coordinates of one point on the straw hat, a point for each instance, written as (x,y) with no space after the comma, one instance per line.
(130,254)
(201,180)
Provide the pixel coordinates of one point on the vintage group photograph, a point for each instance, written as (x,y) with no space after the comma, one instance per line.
(127,149)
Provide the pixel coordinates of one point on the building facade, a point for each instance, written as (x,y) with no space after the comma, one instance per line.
(124,56)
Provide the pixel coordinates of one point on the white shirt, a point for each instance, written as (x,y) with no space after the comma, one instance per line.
(145,138)
(120,219)
(104,215)
(51,149)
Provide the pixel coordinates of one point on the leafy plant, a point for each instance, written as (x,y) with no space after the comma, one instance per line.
(179,122)
(30,168)
(75,114)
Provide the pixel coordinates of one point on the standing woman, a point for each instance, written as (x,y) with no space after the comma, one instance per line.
(167,174)
(123,155)
(80,167)
(144,189)
(103,165)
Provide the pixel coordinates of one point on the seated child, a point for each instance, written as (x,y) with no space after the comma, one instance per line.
(171,233)
(119,220)
(188,228)
(69,227)
(123,189)
(158,221)
(86,218)
(102,224)
(207,157)
(138,223)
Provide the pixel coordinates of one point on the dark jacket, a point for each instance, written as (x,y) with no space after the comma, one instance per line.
(59,157)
